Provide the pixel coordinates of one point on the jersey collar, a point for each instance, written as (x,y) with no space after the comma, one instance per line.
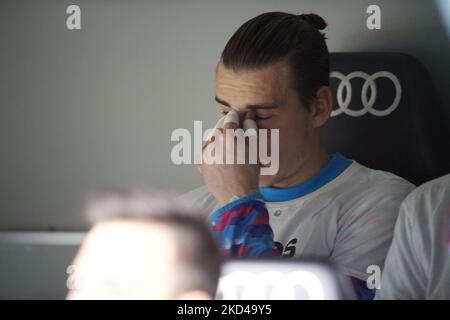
(337,164)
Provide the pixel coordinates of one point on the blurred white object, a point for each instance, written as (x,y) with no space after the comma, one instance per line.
(281,280)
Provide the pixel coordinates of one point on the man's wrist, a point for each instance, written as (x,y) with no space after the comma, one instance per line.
(238,196)
(237,202)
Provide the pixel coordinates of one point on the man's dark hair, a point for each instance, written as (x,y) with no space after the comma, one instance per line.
(275,36)
(198,265)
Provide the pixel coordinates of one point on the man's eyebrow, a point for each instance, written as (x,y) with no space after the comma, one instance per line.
(219,101)
(251,106)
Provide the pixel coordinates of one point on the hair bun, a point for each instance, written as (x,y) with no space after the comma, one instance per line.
(314,20)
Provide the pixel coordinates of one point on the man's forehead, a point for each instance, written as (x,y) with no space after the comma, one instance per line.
(273,75)
(265,85)
(127,258)
(129,238)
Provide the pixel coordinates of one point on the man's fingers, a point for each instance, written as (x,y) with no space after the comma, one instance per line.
(218,125)
(251,131)
(216,132)
(249,125)
(231,120)
(247,155)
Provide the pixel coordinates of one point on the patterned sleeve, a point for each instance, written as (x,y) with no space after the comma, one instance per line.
(242,228)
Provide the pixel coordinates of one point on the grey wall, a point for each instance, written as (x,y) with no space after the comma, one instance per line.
(34,265)
(94,109)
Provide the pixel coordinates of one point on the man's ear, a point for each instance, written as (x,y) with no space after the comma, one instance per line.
(194,295)
(322,106)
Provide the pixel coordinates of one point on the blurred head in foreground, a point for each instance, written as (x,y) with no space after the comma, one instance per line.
(145,246)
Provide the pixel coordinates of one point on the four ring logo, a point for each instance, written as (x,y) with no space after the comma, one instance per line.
(271,285)
(367,103)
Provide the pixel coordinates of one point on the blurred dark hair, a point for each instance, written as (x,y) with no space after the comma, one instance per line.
(198,261)
(275,36)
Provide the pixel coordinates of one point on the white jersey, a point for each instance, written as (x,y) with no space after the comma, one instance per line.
(346,213)
(418,262)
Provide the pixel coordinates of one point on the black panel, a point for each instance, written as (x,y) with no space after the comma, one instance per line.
(413,141)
